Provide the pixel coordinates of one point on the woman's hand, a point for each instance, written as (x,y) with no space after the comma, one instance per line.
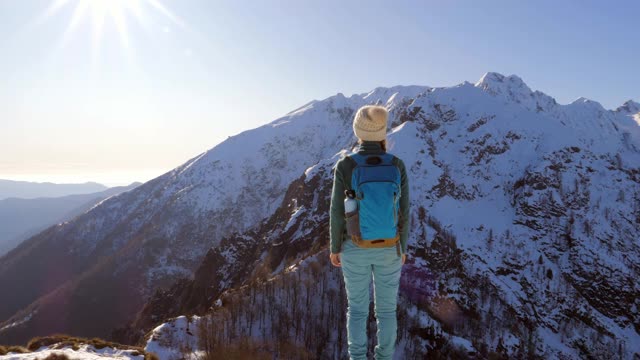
(404,258)
(335,259)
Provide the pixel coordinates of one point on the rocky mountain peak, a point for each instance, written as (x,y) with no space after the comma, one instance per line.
(496,84)
(513,89)
(629,107)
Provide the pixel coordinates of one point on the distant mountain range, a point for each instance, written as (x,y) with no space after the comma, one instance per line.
(525,220)
(23,218)
(31,190)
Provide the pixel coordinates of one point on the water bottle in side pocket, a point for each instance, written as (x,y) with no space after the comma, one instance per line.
(351,213)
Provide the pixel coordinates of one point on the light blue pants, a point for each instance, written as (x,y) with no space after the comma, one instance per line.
(357,266)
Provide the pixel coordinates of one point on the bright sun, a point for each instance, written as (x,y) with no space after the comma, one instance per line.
(101,11)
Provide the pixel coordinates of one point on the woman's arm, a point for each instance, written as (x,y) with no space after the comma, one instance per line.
(336,215)
(404,206)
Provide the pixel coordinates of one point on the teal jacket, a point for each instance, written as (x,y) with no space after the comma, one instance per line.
(342,175)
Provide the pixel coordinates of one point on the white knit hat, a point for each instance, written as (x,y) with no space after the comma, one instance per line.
(370,123)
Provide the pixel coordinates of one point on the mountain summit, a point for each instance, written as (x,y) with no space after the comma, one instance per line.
(525,220)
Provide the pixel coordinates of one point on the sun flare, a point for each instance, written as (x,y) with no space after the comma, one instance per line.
(102,13)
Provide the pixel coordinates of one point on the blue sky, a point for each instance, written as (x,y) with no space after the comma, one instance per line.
(164,80)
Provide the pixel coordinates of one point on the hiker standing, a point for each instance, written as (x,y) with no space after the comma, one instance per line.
(373,238)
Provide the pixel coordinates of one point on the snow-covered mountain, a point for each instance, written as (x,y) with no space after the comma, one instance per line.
(524,235)
(23,218)
(132,243)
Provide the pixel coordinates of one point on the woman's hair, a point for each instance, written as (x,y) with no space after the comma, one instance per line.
(383,144)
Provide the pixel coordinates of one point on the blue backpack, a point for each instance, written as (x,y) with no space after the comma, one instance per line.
(376,182)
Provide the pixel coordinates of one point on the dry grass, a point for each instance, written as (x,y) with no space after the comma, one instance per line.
(62,340)
(59,341)
(4,350)
(151,356)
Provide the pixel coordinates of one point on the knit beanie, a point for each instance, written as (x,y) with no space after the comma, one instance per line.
(370,123)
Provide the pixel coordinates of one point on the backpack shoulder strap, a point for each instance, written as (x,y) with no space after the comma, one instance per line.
(351,162)
(358,159)
(387,158)
(352,159)
(394,160)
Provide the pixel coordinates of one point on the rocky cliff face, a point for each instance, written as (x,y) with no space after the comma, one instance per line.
(525,220)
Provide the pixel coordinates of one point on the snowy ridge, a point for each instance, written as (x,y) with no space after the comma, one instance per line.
(629,107)
(519,206)
(507,186)
(160,231)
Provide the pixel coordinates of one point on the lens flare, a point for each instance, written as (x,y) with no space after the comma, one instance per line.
(102,12)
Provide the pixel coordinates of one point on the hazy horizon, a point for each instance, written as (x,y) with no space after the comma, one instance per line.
(112,179)
(117,91)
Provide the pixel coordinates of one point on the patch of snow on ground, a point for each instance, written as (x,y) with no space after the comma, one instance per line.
(85,352)
(176,331)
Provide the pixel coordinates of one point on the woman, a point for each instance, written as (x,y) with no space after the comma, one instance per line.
(359,263)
